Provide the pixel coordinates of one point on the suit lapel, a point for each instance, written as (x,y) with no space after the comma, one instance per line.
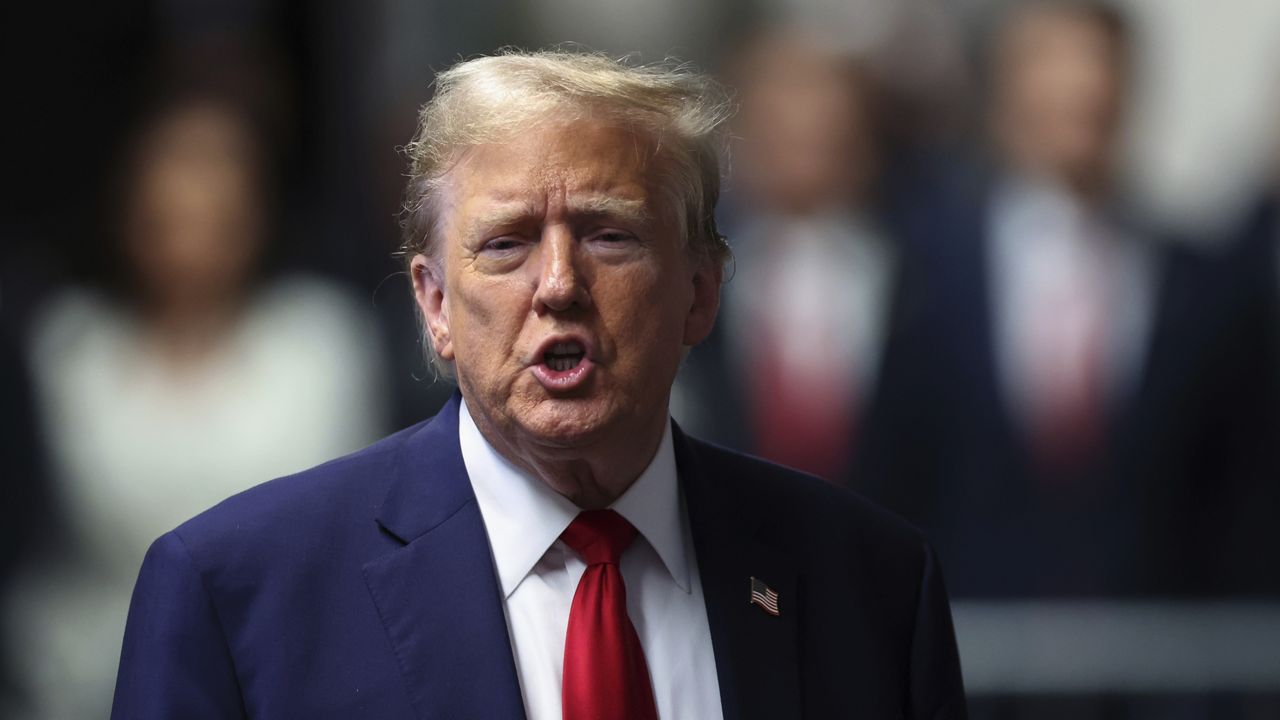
(438,596)
(757,654)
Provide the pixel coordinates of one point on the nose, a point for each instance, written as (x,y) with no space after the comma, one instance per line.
(561,284)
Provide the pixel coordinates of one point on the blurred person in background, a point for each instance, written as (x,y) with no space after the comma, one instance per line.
(816,258)
(1068,355)
(1246,285)
(197,380)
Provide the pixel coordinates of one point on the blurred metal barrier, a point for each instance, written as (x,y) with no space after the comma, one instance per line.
(1041,647)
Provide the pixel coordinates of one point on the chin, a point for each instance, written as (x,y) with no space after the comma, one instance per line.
(566,422)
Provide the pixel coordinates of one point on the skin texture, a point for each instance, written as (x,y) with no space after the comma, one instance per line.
(562,232)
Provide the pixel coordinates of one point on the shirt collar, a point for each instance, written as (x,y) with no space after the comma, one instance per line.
(524,517)
(652,504)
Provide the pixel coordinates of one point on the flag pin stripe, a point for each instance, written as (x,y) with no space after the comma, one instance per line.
(763,596)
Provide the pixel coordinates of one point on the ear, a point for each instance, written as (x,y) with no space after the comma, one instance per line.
(706,303)
(428,290)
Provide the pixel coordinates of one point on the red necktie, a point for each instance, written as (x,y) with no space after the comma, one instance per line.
(605,675)
(1068,369)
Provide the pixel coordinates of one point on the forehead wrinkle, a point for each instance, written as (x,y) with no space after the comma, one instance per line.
(503,214)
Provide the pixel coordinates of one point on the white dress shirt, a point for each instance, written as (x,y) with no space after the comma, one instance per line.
(832,280)
(1044,242)
(539,575)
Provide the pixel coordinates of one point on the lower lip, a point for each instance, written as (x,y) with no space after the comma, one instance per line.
(562,380)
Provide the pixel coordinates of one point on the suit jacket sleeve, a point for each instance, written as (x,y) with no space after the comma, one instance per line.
(175,661)
(936,689)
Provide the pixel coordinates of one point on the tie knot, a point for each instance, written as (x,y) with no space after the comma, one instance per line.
(599,536)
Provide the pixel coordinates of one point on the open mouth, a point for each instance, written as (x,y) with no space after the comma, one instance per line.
(565,364)
(564,356)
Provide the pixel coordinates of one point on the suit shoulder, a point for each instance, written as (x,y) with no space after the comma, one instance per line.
(791,497)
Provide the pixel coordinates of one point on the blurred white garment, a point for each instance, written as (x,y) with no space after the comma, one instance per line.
(807,322)
(1072,298)
(138,447)
(828,278)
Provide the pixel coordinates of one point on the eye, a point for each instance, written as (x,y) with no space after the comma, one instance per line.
(612,237)
(501,245)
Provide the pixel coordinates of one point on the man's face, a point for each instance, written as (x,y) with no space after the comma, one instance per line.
(1061,92)
(567,293)
(804,131)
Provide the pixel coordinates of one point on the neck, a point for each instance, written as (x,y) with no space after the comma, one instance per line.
(592,475)
(1089,184)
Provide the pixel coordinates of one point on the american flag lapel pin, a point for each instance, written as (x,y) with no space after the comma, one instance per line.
(764,596)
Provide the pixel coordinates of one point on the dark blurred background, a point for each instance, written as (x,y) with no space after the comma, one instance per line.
(1010,268)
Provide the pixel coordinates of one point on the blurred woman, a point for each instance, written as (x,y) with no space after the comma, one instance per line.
(198,381)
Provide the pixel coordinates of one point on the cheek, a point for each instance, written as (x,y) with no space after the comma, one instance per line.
(645,309)
(485,319)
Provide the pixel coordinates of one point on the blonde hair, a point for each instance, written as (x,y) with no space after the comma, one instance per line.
(488,99)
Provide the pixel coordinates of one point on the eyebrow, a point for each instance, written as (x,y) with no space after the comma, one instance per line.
(610,206)
(500,216)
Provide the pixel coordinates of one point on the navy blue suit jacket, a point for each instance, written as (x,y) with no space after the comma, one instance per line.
(365,588)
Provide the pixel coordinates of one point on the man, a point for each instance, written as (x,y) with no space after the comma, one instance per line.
(816,254)
(549,545)
(1070,344)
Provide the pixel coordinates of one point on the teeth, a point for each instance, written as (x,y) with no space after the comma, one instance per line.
(564,356)
(560,364)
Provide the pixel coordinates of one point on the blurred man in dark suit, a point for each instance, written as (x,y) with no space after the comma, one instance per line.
(1067,345)
(816,255)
